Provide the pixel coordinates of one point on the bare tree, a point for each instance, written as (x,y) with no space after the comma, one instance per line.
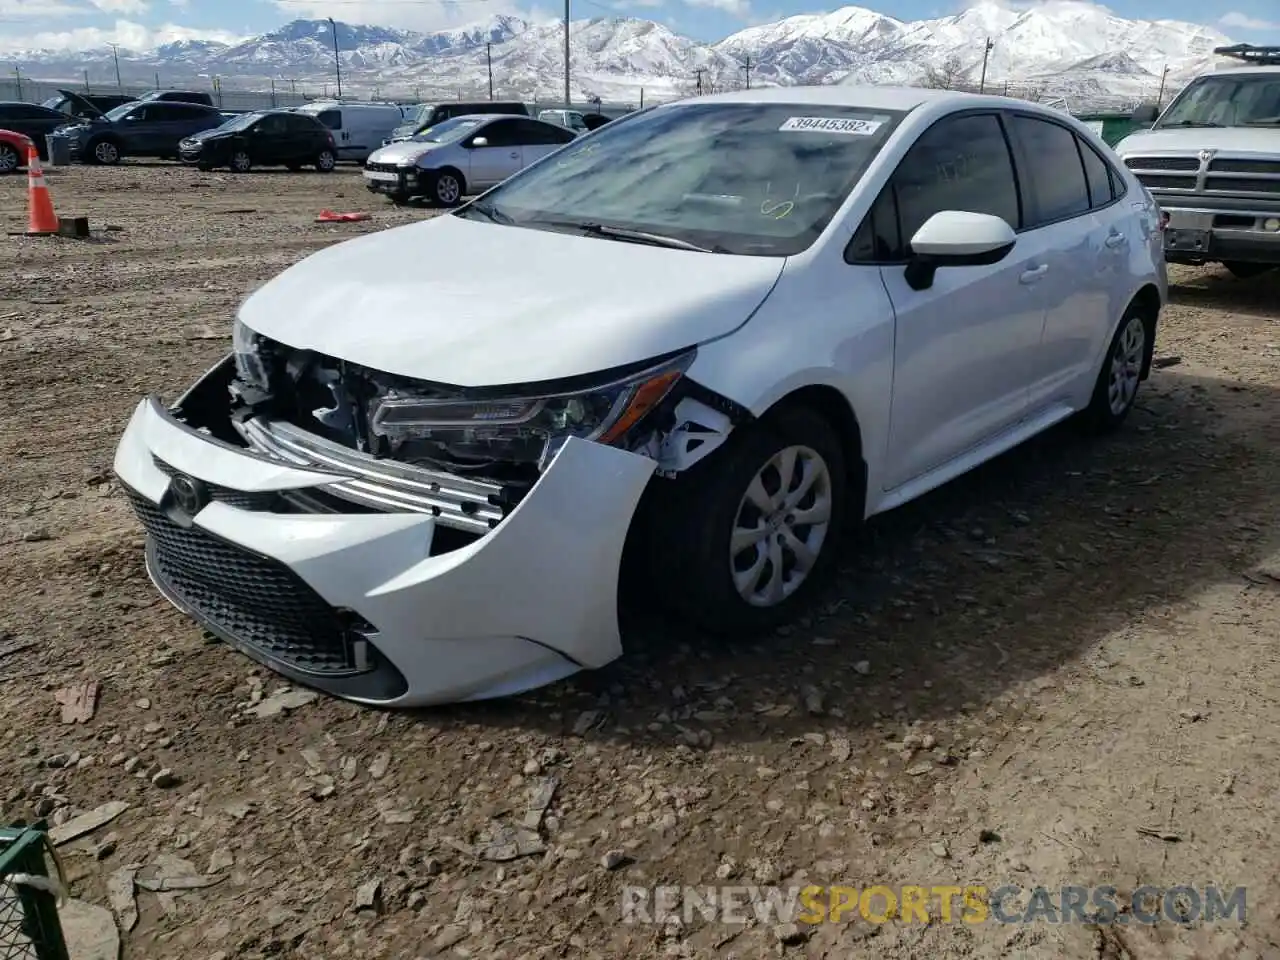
(948,76)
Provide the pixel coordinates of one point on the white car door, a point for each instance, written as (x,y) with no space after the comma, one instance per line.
(1071,202)
(965,347)
(496,157)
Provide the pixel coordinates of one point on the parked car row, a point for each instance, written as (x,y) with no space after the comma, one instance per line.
(186,125)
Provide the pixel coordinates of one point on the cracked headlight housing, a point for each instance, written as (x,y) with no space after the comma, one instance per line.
(521,429)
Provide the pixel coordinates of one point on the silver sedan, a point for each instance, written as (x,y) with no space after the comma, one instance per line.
(461,156)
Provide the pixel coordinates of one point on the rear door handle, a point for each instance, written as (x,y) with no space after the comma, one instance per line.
(1115,240)
(515,156)
(1034,275)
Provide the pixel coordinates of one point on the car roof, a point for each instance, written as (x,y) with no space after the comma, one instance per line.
(1258,71)
(834,95)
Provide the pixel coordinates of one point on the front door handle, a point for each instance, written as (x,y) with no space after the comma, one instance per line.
(1115,240)
(1034,275)
(515,156)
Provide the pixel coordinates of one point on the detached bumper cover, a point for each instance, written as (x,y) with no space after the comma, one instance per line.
(357,604)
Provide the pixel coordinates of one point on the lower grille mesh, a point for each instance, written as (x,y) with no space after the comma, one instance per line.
(257,600)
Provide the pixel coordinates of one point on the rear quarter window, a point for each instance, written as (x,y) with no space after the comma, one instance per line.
(331,119)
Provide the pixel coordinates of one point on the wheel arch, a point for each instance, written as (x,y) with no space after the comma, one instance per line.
(451,169)
(834,407)
(1147,300)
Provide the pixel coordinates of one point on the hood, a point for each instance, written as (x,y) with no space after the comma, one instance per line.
(1194,139)
(404,152)
(82,104)
(206,135)
(404,131)
(418,301)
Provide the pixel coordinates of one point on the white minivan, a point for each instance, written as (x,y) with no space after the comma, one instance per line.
(358,128)
(415,479)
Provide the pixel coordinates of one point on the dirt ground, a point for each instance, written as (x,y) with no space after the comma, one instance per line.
(1009,682)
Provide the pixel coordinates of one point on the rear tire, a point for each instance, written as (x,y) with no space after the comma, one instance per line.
(730,549)
(326,161)
(1244,269)
(241,162)
(9,159)
(1116,389)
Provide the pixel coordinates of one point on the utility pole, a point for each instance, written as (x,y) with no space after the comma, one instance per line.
(157,80)
(986,52)
(17,73)
(86,81)
(700,71)
(273,92)
(746,69)
(115,52)
(488,58)
(337,64)
(293,86)
(567,104)
(1164,75)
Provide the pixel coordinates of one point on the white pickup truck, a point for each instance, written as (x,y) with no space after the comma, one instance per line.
(1212,162)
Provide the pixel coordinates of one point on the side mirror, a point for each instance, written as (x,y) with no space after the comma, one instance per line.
(956,238)
(1145,114)
(479,142)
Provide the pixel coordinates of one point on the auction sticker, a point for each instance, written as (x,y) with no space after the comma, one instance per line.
(858,128)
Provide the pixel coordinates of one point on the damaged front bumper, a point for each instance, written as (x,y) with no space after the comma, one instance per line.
(347,574)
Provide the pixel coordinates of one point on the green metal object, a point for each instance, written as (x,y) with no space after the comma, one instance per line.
(1111,127)
(29,925)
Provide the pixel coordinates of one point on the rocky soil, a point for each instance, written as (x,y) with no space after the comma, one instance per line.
(1062,668)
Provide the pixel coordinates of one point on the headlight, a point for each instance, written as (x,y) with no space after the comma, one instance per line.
(244,344)
(528,429)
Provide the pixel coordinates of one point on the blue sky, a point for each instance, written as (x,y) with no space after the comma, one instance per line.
(138,24)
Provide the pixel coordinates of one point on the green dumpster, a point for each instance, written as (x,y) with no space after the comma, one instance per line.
(1111,127)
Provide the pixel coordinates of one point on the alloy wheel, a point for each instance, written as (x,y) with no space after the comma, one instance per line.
(448,190)
(106,152)
(781,525)
(1126,366)
(8,159)
(240,161)
(325,162)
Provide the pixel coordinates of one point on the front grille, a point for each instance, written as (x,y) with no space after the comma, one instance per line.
(240,499)
(1242,185)
(1246,166)
(1191,164)
(1164,181)
(255,600)
(382,167)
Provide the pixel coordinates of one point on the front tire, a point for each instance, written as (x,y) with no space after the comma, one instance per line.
(9,159)
(446,188)
(1116,389)
(104,153)
(1243,269)
(752,529)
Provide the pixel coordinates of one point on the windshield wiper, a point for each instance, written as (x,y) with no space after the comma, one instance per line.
(489,213)
(624,234)
(1190,123)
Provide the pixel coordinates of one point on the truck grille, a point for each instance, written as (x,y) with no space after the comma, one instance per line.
(255,600)
(1191,164)
(1209,175)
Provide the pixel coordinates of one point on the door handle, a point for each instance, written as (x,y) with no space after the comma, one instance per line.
(515,156)
(1034,275)
(1115,240)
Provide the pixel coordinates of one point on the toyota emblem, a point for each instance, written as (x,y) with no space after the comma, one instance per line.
(188,493)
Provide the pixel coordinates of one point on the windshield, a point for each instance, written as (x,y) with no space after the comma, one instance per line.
(1241,100)
(448,131)
(757,179)
(243,122)
(54,103)
(120,111)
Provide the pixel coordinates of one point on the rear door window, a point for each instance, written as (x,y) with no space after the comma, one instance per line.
(1098,173)
(1050,160)
(502,133)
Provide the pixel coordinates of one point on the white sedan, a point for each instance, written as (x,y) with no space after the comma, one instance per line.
(416,477)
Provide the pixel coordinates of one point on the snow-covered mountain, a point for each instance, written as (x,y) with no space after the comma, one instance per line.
(1067,48)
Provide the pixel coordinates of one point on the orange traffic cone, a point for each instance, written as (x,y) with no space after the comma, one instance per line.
(42,221)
